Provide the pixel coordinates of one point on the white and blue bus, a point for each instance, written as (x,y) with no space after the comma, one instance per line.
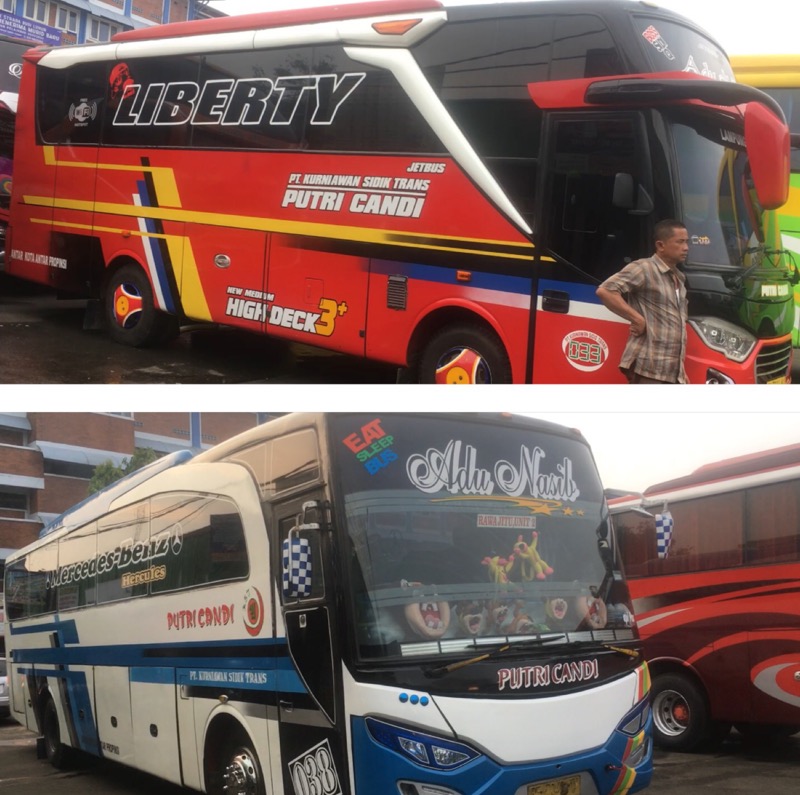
(343,603)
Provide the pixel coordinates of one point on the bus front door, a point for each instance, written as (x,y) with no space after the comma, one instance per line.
(310,706)
(595,203)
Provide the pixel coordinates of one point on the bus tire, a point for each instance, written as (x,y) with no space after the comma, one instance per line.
(464,354)
(681,718)
(239,772)
(58,754)
(130,310)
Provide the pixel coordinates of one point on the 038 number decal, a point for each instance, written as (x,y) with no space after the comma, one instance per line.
(314,773)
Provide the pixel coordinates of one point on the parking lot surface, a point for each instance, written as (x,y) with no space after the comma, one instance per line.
(735,767)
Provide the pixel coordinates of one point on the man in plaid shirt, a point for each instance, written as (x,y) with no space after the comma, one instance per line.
(650,294)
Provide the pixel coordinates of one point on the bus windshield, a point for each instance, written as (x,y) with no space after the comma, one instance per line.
(725,225)
(674,47)
(466,533)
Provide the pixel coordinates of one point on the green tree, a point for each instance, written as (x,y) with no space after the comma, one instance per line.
(108,472)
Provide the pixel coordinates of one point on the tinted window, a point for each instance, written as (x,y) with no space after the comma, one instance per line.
(673,47)
(71,103)
(77,568)
(202,540)
(151,102)
(583,226)
(29,584)
(300,98)
(458,529)
(282,464)
(773,518)
(707,533)
(481,70)
(122,552)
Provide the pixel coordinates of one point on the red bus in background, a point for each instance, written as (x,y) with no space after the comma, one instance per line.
(715,582)
(419,182)
(11,52)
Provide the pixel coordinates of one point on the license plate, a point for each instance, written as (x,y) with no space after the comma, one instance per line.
(560,786)
(781,380)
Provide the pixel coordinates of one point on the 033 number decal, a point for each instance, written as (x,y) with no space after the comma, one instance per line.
(314,772)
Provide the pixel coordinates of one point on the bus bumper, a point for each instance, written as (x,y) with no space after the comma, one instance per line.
(769,363)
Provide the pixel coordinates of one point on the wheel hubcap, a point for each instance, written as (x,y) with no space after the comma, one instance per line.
(671,713)
(127,305)
(241,775)
(463,366)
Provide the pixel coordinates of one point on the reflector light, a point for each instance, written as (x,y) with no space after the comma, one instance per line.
(396,27)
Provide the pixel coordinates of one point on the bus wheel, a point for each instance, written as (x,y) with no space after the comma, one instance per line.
(58,754)
(130,310)
(240,773)
(464,355)
(681,720)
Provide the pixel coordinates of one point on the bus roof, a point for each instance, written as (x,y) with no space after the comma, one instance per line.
(751,464)
(369,8)
(276,19)
(98,504)
(767,71)
(753,469)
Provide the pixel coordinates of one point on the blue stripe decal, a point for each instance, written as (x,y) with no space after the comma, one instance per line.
(158,663)
(153,676)
(440,275)
(585,293)
(155,248)
(66,630)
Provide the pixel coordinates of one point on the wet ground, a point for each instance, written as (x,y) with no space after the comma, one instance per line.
(43,341)
(735,767)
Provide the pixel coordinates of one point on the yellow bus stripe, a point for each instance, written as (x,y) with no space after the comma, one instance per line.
(163,177)
(299,228)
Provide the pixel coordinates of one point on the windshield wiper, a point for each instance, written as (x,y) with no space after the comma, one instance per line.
(441,670)
(736,282)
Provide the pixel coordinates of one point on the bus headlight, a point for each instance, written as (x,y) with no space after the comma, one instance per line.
(720,335)
(424,749)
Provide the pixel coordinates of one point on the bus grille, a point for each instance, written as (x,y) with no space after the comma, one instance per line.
(773,362)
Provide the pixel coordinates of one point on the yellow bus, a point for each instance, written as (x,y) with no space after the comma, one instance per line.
(779,76)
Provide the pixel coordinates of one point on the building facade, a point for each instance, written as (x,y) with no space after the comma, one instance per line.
(81,21)
(47,459)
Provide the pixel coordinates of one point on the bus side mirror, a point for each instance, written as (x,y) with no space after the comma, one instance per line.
(622,196)
(626,196)
(297,580)
(768,149)
(297,566)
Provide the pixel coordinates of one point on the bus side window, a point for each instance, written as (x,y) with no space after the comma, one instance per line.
(71,104)
(199,539)
(30,584)
(78,582)
(283,464)
(122,537)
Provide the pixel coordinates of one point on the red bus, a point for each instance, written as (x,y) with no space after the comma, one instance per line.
(11,53)
(419,182)
(715,585)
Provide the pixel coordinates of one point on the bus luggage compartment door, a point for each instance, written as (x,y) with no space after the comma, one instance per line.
(155,722)
(113,713)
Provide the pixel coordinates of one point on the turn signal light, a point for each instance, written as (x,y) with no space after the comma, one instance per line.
(396,27)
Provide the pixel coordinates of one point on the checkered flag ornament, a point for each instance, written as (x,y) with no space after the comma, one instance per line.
(664,525)
(296,567)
